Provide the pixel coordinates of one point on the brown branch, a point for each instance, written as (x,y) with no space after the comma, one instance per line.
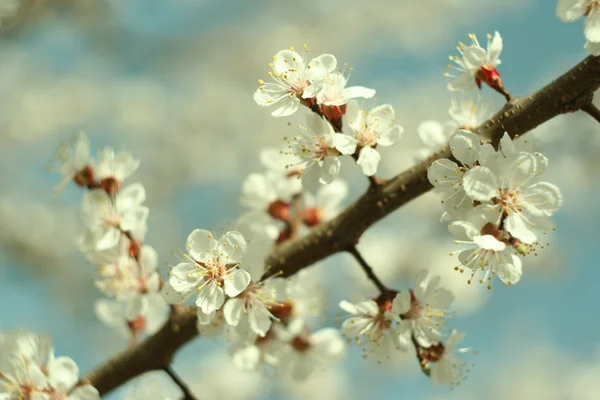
(154,353)
(592,110)
(187,393)
(520,115)
(368,270)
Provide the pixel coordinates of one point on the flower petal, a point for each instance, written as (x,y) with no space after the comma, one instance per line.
(236,282)
(232,311)
(480,184)
(368,160)
(465,147)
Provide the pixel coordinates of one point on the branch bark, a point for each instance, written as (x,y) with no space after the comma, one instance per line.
(570,92)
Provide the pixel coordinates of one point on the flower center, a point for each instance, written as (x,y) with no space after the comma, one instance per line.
(510,201)
(366,137)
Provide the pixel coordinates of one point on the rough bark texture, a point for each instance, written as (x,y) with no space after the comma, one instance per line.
(568,93)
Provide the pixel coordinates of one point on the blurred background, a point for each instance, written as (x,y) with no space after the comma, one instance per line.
(172,82)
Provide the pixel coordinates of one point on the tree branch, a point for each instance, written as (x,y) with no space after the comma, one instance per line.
(571,91)
(592,110)
(187,394)
(154,353)
(368,270)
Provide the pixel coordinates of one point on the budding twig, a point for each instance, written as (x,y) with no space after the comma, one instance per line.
(187,394)
(368,270)
(592,110)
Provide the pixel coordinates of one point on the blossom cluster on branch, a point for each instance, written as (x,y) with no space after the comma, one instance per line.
(493,199)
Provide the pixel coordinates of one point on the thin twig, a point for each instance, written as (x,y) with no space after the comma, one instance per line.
(368,270)
(187,393)
(592,110)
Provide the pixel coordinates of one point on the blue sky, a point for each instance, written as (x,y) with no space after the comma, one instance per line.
(557,310)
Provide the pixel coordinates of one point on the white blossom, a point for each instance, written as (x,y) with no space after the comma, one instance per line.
(422,310)
(445,367)
(373,324)
(371,129)
(30,370)
(489,251)
(128,319)
(319,147)
(335,92)
(524,203)
(212,269)
(593,48)
(325,204)
(251,307)
(447,176)
(306,352)
(476,64)
(116,166)
(572,10)
(295,81)
(74,162)
(107,217)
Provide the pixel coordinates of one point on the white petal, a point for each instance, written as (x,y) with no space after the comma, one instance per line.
(184,277)
(465,147)
(130,196)
(260,320)
(380,118)
(442,372)
(368,160)
(462,82)
(330,197)
(571,10)
(329,170)
(210,297)
(134,218)
(345,144)
(149,259)
(247,358)
(85,392)
(488,242)
(592,26)
(443,173)
(463,230)
(510,272)
(480,184)
(401,303)
(517,227)
(232,311)
(236,282)
(231,247)
(348,307)
(201,245)
(321,66)
(63,373)
(494,49)
(355,326)
(390,136)
(355,116)
(593,48)
(543,199)
(354,92)
(474,57)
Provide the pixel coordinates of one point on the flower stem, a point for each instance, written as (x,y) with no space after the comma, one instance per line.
(592,110)
(187,394)
(368,270)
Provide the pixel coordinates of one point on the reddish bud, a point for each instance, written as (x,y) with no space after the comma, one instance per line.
(85,177)
(110,185)
(385,300)
(279,210)
(334,115)
(134,249)
(282,311)
(284,235)
(311,216)
(137,325)
(490,75)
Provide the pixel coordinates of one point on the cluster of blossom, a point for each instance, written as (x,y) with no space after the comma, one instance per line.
(495,202)
(572,10)
(465,113)
(278,206)
(264,316)
(321,87)
(413,318)
(394,320)
(30,370)
(115,220)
